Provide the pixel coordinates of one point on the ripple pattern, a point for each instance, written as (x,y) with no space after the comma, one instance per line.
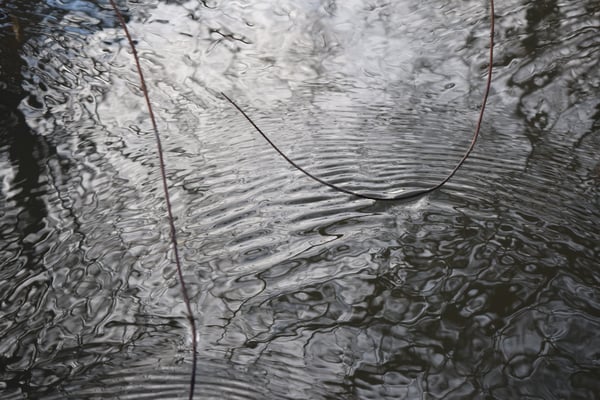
(485,289)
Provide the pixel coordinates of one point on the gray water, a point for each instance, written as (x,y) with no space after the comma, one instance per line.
(486,289)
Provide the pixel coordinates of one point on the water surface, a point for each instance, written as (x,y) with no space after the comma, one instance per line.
(485,289)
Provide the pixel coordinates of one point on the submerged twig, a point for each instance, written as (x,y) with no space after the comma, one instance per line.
(403,196)
(184,292)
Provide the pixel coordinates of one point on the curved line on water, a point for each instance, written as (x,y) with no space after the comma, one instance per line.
(162,167)
(403,196)
(163,173)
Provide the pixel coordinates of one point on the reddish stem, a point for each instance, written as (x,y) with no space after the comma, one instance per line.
(171,219)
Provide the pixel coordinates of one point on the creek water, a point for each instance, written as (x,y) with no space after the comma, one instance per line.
(486,289)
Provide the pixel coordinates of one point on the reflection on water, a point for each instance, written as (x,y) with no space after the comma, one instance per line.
(484,289)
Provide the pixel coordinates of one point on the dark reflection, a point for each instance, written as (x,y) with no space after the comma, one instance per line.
(51,317)
(475,320)
(542,25)
(27,151)
(24,224)
(27,155)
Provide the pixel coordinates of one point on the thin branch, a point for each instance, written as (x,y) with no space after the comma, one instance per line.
(159,149)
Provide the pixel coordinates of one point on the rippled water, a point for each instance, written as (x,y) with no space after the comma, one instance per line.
(486,289)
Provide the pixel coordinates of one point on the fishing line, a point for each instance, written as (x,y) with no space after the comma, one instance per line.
(159,149)
(403,196)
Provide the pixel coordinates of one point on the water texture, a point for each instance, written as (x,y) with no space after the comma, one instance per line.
(485,289)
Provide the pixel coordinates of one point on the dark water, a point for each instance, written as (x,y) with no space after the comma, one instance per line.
(486,289)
